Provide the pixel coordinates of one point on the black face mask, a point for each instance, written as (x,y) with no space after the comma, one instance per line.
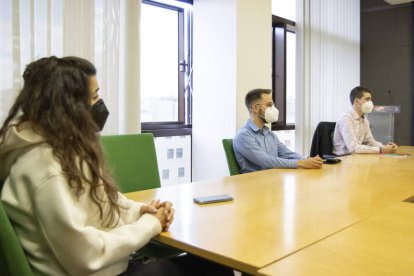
(100,113)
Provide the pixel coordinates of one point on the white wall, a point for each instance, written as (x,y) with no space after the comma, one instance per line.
(214,84)
(254,51)
(232,54)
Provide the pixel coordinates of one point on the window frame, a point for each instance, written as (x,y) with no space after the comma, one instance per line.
(183,125)
(280,26)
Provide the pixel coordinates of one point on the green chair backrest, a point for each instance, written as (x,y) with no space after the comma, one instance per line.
(133,161)
(231,159)
(13,261)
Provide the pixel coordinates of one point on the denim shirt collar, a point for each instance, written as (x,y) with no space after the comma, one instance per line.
(255,128)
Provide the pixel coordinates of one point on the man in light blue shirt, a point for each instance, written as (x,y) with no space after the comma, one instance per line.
(256,147)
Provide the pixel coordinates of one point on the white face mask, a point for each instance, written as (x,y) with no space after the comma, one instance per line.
(367,107)
(271,114)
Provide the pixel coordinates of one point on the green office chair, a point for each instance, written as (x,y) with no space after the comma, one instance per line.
(13,261)
(133,161)
(231,159)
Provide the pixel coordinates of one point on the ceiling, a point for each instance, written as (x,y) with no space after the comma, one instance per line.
(395,2)
(369,5)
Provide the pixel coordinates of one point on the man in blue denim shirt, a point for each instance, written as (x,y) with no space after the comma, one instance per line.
(256,147)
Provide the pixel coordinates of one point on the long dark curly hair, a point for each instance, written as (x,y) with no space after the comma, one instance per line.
(56,101)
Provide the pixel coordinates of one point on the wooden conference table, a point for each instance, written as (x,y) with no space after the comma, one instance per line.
(276,213)
(380,245)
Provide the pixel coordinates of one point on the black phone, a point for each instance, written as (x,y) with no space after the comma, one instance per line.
(212,199)
(332,161)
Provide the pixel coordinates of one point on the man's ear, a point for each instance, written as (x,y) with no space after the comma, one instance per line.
(255,108)
(355,101)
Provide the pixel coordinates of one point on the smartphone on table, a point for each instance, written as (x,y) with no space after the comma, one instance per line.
(212,199)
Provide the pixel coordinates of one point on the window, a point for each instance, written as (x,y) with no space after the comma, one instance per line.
(166,84)
(283,75)
(170,154)
(179,152)
(166,67)
(283,63)
(181,172)
(166,147)
(165,174)
(290,77)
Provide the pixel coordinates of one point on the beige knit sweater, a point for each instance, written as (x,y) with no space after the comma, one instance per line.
(61,234)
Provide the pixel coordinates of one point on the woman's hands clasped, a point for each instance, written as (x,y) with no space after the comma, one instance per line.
(163,211)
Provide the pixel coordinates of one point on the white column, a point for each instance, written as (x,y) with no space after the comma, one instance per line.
(254,51)
(214,85)
(232,54)
(129,121)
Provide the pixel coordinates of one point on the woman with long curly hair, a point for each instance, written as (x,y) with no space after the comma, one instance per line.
(63,203)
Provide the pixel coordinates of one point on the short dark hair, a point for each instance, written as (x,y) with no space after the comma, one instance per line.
(254,95)
(358,92)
